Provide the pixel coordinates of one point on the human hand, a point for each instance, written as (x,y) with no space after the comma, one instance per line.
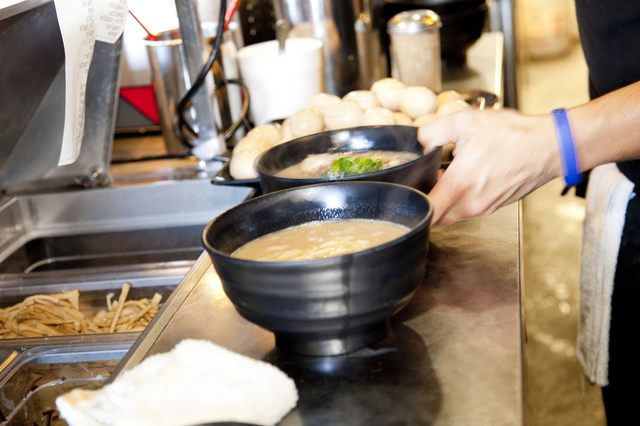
(499,157)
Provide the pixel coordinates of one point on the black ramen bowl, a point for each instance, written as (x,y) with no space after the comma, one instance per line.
(324,306)
(420,174)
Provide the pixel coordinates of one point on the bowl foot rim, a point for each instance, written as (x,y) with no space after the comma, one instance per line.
(331,345)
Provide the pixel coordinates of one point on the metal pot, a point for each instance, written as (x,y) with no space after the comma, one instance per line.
(420,174)
(325,306)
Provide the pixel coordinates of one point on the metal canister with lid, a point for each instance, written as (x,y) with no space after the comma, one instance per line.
(415,48)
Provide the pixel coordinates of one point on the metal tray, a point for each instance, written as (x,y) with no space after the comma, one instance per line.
(34,371)
(93,296)
(36,377)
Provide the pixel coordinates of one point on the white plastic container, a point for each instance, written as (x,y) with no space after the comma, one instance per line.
(281,84)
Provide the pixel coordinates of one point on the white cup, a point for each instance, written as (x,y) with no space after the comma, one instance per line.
(280,84)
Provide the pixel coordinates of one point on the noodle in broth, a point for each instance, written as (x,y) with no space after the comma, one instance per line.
(320,239)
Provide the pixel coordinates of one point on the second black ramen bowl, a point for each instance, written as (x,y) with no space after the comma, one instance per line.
(420,174)
(324,306)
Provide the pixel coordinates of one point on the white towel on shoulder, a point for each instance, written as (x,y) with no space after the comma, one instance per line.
(608,194)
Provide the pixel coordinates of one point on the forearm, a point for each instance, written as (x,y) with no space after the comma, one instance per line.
(607,129)
(501,156)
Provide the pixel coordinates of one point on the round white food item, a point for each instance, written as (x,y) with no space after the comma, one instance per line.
(287,134)
(322,100)
(448,96)
(365,98)
(453,106)
(378,116)
(424,119)
(241,164)
(255,141)
(306,122)
(416,101)
(268,132)
(342,115)
(402,119)
(388,91)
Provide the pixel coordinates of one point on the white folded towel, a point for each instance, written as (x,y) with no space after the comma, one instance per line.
(608,195)
(196,382)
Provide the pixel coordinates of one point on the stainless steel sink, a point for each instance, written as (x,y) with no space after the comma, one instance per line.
(126,228)
(105,249)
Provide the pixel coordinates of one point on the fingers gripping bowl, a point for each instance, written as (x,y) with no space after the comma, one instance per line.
(332,305)
(420,173)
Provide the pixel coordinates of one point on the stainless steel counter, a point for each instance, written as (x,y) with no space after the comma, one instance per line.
(452,356)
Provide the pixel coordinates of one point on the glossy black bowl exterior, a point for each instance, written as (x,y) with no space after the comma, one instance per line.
(420,174)
(323,306)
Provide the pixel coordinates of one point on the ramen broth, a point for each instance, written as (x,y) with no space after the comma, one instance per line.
(320,239)
(316,164)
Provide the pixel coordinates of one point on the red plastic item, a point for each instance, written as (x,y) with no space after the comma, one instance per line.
(143,99)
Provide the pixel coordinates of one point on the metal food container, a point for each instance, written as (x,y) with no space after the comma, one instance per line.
(415,48)
(35,377)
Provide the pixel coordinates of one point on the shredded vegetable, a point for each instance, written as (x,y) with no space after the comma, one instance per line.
(59,314)
(349,166)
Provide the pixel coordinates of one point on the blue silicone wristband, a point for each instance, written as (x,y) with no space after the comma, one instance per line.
(570,161)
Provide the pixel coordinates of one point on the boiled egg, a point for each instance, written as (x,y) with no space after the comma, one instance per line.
(365,98)
(424,119)
(268,132)
(453,106)
(241,164)
(287,133)
(307,121)
(416,101)
(447,96)
(388,92)
(255,141)
(342,115)
(378,116)
(402,119)
(322,101)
